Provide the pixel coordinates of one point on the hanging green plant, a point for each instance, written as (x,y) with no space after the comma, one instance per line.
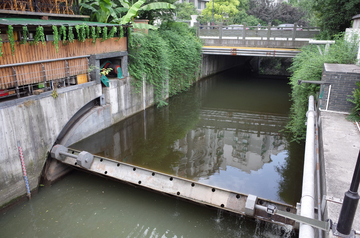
(93,34)
(39,35)
(71,35)
(1,52)
(83,33)
(63,34)
(24,36)
(77,28)
(112,32)
(128,34)
(98,31)
(104,34)
(121,32)
(80,31)
(11,39)
(56,38)
(87,29)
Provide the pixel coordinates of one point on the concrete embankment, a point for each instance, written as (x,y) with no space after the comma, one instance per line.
(339,139)
(340,148)
(36,122)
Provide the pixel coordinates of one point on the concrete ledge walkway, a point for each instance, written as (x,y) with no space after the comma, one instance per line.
(340,145)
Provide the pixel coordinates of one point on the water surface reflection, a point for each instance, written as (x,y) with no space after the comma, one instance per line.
(223,132)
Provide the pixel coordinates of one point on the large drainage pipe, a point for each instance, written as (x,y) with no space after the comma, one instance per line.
(308,189)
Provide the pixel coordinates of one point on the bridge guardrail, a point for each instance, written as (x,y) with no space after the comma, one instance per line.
(265,32)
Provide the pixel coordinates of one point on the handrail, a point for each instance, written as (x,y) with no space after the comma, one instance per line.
(44,61)
(308,194)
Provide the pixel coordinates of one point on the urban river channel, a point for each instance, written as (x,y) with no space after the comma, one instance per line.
(224,131)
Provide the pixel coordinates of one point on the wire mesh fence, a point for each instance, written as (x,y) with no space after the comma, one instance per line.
(35,78)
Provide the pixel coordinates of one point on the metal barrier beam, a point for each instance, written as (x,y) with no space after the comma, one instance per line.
(241,51)
(171,185)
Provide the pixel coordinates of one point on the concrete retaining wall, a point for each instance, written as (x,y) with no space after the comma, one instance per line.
(36,121)
(342,78)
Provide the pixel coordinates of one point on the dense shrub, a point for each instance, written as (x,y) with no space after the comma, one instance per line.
(308,65)
(173,52)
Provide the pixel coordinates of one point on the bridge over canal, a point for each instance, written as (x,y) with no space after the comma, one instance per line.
(256,41)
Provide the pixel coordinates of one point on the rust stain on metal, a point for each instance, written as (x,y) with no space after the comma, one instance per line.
(233,51)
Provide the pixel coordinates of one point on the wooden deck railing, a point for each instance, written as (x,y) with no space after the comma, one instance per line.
(29,64)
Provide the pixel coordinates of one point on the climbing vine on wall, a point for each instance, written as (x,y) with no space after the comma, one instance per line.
(185,54)
(11,39)
(172,53)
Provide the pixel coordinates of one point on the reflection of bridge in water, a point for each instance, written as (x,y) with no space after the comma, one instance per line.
(259,123)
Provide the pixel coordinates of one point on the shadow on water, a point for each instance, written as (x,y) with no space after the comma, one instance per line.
(225,132)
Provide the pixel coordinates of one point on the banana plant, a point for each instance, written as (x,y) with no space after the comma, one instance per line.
(133,11)
(101,10)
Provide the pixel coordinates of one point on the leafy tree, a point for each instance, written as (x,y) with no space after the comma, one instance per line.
(307,8)
(335,16)
(241,17)
(291,14)
(222,9)
(267,11)
(185,10)
(243,5)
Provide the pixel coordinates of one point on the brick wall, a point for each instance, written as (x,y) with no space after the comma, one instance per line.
(342,78)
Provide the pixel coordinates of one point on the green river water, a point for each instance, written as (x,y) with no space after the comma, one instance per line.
(225,131)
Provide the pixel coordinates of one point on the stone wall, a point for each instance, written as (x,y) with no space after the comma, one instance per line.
(342,78)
